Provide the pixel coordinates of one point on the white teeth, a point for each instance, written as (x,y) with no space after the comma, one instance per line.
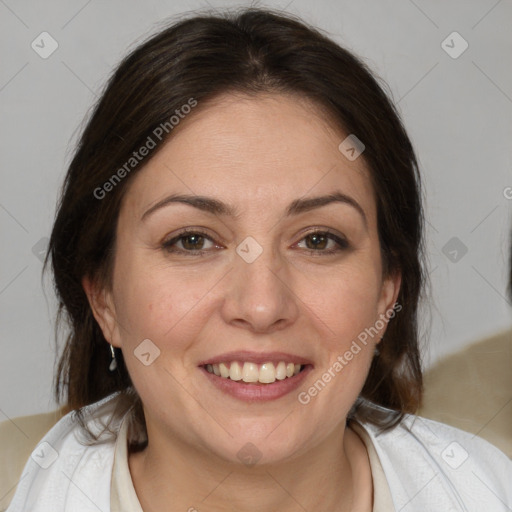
(235,372)
(250,372)
(224,370)
(281,371)
(267,373)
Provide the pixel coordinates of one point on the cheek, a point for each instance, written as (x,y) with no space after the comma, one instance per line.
(346,316)
(169,313)
(157,303)
(346,301)
(147,308)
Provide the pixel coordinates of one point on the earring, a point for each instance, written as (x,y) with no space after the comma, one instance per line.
(113,363)
(376,351)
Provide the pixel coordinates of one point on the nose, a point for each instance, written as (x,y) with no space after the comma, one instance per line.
(260,295)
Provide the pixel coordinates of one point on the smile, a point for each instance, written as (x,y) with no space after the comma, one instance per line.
(254,382)
(249,372)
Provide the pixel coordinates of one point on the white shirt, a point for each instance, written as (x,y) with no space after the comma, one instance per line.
(419,466)
(124,497)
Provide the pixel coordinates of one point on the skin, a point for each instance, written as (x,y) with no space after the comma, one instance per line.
(257,154)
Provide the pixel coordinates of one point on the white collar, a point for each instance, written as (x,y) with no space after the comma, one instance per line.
(66,475)
(123,498)
(63,473)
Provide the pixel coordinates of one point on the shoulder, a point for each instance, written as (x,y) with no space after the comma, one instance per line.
(18,438)
(443,465)
(42,450)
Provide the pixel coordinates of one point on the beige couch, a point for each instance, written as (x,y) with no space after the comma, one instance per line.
(471,390)
(18,438)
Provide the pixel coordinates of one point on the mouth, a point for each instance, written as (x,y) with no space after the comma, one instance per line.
(256,377)
(252,373)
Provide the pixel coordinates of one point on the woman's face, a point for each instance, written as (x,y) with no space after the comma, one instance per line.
(265,274)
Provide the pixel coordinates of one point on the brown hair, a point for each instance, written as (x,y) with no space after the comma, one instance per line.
(249,51)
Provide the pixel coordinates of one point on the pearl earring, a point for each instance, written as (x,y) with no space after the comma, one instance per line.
(113,363)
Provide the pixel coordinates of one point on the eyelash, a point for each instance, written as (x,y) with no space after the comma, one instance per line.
(167,245)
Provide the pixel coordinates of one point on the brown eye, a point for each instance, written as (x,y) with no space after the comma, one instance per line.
(189,242)
(316,241)
(324,242)
(192,242)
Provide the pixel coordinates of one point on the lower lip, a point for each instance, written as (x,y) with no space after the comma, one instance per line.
(257,392)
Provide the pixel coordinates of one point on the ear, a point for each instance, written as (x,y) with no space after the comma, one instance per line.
(102,306)
(388,297)
(389,291)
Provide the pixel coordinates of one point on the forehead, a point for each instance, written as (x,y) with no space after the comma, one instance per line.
(253,152)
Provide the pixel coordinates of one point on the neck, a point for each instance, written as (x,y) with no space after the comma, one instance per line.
(334,476)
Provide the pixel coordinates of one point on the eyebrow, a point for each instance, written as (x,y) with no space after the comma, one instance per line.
(214,206)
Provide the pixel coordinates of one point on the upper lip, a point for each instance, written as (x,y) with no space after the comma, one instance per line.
(256,357)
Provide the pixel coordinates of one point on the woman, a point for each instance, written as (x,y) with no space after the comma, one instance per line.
(238,252)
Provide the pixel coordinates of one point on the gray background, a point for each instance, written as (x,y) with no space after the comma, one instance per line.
(458,112)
